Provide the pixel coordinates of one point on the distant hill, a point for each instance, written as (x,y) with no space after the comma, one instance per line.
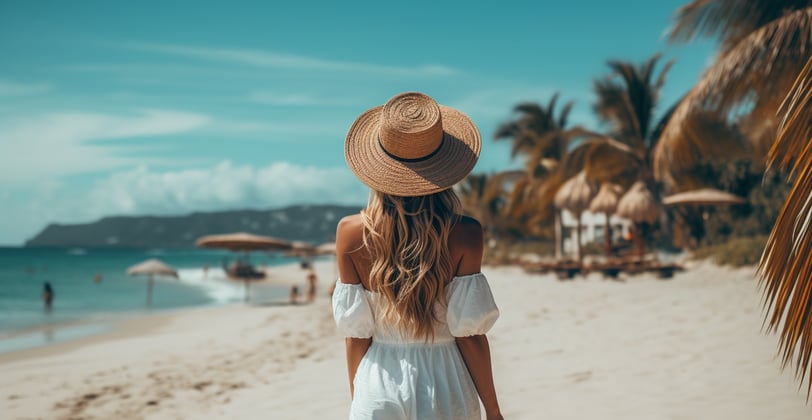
(311,223)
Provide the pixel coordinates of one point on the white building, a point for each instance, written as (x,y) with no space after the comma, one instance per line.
(591,229)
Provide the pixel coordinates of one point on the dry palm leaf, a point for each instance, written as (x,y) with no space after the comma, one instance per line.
(786,264)
(761,64)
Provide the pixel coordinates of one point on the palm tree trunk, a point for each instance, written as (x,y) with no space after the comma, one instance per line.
(578,238)
(640,242)
(559,237)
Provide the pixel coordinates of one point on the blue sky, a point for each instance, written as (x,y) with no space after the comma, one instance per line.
(150,107)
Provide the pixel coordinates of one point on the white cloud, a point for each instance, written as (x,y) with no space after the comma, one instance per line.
(224,186)
(9,88)
(141,191)
(55,144)
(272,59)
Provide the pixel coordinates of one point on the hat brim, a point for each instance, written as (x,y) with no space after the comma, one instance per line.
(453,160)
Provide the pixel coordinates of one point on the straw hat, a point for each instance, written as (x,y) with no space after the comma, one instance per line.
(412,146)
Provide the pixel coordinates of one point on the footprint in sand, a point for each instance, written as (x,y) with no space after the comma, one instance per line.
(580,376)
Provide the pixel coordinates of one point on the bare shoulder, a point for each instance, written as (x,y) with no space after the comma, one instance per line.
(466,233)
(349,233)
(466,245)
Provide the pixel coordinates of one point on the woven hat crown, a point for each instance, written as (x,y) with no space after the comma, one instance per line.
(412,146)
(411,126)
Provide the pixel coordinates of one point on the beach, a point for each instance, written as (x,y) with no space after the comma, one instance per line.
(690,347)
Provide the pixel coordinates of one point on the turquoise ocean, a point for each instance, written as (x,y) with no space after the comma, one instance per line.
(84,306)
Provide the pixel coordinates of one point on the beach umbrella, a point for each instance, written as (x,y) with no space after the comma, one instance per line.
(606,202)
(243,242)
(575,195)
(150,268)
(703,196)
(639,206)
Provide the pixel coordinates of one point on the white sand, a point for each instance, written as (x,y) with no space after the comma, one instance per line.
(686,348)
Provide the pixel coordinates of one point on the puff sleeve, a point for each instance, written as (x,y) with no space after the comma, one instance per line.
(471,308)
(352,312)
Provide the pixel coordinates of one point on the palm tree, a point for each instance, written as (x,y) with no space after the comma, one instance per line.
(541,135)
(626,101)
(536,132)
(786,264)
(763,44)
(485,197)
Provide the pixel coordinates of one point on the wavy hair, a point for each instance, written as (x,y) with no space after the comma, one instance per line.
(407,238)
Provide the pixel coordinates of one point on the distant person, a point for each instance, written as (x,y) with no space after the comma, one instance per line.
(47,295)
(205,271)
(312,279)
(294,294)
(97,278)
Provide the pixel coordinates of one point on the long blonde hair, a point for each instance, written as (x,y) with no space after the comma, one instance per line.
(407,239)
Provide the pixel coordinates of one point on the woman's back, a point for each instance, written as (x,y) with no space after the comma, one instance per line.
(464,244)
(403,376)
(411,300)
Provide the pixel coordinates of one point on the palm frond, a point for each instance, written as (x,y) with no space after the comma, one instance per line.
(786,265)
(758,68)
(705,135)
(728,20)
(627,98)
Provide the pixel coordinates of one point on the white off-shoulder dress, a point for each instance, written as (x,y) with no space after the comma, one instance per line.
(409,378)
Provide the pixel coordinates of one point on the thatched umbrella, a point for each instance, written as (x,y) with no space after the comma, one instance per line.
(606,202)
(150,268)
(243,242)
(575,195)
(639,206)
(703,196)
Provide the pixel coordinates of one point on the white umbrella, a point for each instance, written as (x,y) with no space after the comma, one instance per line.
(150,268)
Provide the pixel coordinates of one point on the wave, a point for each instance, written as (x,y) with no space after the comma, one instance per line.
(213,282)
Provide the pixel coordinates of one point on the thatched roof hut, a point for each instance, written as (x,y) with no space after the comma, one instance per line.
(638,204)
(607,199)
(575,194)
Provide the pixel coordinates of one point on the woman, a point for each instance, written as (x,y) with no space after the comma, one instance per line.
(411,299)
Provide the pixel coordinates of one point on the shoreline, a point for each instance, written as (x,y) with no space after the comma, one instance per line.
(637,348)
(39,339)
